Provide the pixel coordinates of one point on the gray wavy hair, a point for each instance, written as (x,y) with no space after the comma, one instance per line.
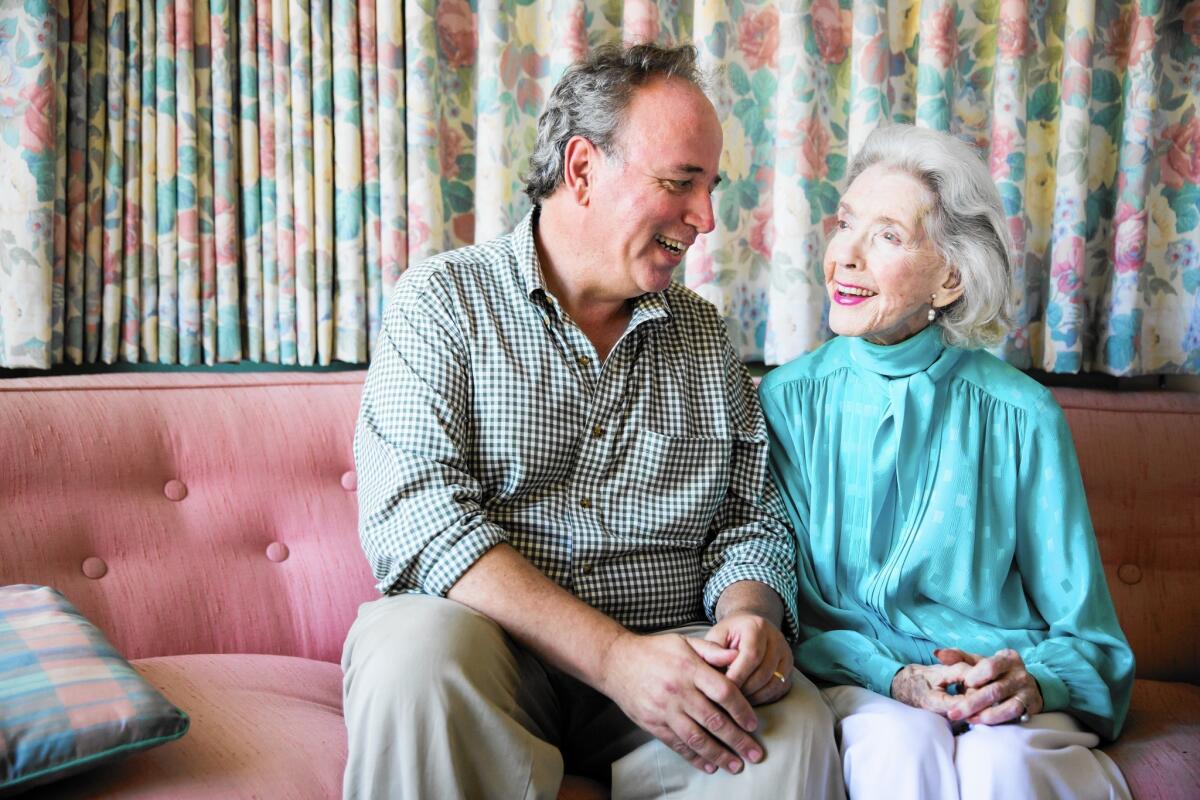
(966,224)
(590,101)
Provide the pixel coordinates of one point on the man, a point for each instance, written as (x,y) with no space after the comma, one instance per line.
(561,459)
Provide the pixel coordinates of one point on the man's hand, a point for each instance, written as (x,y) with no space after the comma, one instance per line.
(763,667)
(672,686)
(997,688)
(925,687)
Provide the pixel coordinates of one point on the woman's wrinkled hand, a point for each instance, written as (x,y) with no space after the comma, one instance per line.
(927,687)
(996,688)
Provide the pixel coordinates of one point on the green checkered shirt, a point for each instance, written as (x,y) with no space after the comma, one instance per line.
(636,483)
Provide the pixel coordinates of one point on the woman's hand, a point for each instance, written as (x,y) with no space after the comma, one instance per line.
(925,687)
(996,689)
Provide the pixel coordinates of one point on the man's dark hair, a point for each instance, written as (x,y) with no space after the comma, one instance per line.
(590,101)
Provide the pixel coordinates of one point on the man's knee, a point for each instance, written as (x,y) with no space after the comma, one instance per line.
(413,644)
(801,717)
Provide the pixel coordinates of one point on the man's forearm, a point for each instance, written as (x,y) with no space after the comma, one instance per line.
(539,614)
(751,597)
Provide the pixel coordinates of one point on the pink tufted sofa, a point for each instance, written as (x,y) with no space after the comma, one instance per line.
(207,523)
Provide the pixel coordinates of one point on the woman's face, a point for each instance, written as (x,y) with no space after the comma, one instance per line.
(880,268)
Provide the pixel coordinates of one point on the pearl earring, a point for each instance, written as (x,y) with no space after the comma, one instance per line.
(932,309)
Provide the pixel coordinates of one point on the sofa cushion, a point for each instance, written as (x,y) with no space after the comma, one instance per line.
(68,700)
(1159,752)
(262,726)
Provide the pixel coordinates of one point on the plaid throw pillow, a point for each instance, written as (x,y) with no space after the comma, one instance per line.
(68,700)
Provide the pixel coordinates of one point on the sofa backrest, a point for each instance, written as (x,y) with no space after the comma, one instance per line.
(1139,453)
(188,512)
(215,512)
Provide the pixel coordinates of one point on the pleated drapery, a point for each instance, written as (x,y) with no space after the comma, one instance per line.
(204,181)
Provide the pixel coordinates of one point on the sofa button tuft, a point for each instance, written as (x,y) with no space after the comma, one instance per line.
(175,490)
(94,567)
(1129,573)
(349,480)
(277,551)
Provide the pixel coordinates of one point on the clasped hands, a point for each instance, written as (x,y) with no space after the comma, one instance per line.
(991,690)
(696,695)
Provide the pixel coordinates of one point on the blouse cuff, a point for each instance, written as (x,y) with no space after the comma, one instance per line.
(1054,691)
(879,670)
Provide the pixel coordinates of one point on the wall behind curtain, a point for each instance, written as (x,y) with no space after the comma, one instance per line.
(197,181)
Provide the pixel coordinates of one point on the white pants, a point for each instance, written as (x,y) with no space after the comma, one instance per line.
(439,702)
(894,751)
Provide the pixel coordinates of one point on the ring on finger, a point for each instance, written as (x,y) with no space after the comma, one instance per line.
(780,675)
(1024,709)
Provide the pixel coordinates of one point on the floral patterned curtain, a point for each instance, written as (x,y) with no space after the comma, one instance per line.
(194,181)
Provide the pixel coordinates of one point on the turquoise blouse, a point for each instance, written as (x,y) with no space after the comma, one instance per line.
(938,503)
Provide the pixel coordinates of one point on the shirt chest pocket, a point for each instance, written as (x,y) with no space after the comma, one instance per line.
(669,487)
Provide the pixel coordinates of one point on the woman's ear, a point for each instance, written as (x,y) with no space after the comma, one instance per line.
(951,289)
(579,167)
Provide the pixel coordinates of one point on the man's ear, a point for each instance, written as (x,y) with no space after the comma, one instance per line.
(580,159)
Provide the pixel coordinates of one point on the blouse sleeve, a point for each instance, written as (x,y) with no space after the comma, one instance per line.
(826,649)
(1085,666)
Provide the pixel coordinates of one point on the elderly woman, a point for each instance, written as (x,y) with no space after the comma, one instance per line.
(951,593)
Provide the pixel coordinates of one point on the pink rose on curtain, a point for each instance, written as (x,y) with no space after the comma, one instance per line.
(940,37)
(814,150)
(641,22)
(1143,39)
(700,267)
(1118,37)
(450,147)
(762,232)
(1182,164)
(1012,35)
(1076,82)
(132,231)
(758,37)
(367,32)
(873,60)
(1191,22)
(1003,143)
(418,231)
(577,41)
(832,28)
(1130,244)
(1016,231)
(456,32)
(1067,263)
(464,227)
(218,37)
(37,130)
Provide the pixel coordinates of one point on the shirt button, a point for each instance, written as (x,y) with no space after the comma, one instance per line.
(585,502)
(584,361)
(586,569)
(597,431)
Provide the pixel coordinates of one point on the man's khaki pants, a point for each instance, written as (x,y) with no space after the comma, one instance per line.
(439,702)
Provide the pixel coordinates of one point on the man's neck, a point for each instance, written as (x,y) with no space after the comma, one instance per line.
(572,274)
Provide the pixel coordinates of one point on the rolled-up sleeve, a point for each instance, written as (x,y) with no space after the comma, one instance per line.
(748,539)
(420,517)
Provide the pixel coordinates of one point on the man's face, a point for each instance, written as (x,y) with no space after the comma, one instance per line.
(652,197)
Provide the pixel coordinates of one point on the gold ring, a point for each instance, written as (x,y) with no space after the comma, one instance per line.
(780,675)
